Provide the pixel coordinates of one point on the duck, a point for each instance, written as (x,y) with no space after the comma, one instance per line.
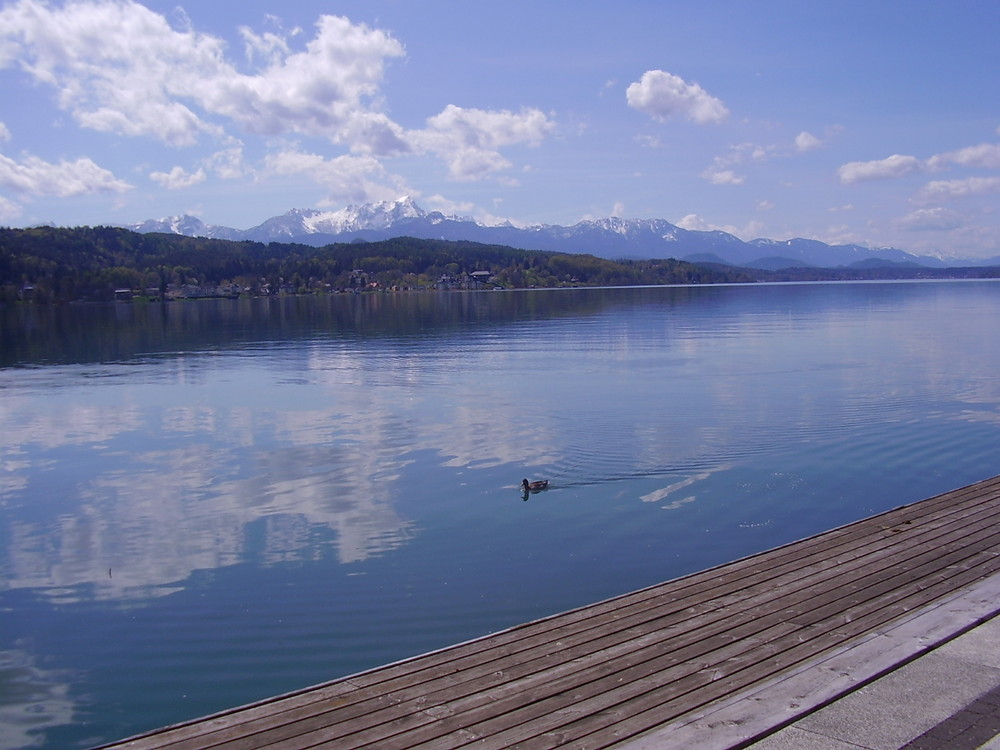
(536,486)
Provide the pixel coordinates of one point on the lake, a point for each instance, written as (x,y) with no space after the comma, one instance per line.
(206,503)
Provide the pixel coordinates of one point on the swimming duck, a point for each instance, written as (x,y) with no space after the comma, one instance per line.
(536,486)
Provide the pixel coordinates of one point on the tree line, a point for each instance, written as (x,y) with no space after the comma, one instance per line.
(52,264)
(56,265)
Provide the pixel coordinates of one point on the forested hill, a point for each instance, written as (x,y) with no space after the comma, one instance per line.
(48,264)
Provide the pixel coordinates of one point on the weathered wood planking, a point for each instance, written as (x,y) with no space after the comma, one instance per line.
(651,660)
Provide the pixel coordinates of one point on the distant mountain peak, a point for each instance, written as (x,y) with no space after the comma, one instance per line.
(183,224)
(353,218)
(186,225)
(611,237)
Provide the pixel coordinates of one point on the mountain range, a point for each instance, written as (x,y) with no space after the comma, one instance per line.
(612,238)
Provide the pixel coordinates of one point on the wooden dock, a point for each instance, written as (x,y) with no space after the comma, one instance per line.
(714,659)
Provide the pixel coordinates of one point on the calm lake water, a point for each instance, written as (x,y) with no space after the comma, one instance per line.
(207,503)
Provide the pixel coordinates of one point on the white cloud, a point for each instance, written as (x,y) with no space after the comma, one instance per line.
(664,95)
(9,210)
(893,166)
(174,84)
(374,133)
(147,78)
(840,234)
(449,207)
(268,47)
(324,90)
(178,178)
(722,171)
(718,176)
(985,155)
(34,176)
(116,66)
(805,141)
(757,152)
(228,163)
(469,139)
(934,219)
(354,179)
(695,223)
(4,133)
(467,209)
(943,190)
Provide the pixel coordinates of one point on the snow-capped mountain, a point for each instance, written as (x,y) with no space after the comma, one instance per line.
(608,238)
(299,223)
(190,226)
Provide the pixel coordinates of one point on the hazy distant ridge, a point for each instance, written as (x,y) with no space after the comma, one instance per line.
(607,238)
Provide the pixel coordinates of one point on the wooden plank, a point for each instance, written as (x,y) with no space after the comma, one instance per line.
(599,674)
(402,723)
(788,651)
(635,682)
(747,716)
(720,690)
(327,738)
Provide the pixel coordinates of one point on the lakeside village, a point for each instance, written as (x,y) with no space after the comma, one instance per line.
(360,281)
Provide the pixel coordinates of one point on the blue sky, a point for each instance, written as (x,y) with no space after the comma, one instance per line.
(869,122)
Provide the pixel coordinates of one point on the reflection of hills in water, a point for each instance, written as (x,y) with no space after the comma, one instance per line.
(114,332)
(51,334)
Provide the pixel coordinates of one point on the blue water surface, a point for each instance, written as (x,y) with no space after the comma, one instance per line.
(207,503)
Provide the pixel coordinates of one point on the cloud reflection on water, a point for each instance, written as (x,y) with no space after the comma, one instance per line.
(163,467)
(175,486)
(250,439)
(34,699)
(133,522)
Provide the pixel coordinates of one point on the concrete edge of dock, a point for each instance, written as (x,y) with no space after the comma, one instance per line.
(930,680)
